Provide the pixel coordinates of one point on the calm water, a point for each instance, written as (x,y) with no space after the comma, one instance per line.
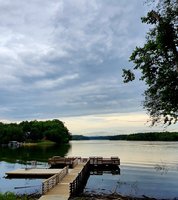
(147,168)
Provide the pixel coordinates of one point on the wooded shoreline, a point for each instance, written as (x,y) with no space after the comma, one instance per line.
(34,132)
(151,136)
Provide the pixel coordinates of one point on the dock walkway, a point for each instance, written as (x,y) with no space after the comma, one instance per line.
(62,190)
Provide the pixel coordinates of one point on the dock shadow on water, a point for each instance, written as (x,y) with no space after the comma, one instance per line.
(101,180)
(135,181)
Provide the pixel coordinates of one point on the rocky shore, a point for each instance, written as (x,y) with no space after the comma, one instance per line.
(110,197)
(114,196)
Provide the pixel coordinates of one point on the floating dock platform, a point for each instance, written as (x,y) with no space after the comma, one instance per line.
(33,173)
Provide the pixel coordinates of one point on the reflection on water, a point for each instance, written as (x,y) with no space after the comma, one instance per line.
(162,168)
(104,170)
(147,168)
(130,152)
(38,153)
(136,181)
(11,159)
(19,186)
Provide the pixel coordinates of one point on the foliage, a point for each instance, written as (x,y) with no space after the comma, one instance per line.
(158,62)
(11,196)
(34,131)
(152,136)
(10,132)
(7,196)
(79,137)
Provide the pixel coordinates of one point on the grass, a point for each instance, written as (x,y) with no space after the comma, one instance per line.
(12,196)
(45,143)
(40,143)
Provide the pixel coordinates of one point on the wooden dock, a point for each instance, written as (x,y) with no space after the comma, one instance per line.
(33,173)
(64,183)
(73,182)
(57,161)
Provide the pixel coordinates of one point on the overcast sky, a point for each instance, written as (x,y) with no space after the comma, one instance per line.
(64,58)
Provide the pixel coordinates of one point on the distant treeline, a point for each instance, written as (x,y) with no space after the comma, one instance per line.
(34,131)
(152,136)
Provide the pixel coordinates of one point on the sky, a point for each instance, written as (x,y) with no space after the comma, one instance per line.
(63,59)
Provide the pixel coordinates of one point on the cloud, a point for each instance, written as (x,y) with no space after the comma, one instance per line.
(51,83)
(95,29)
(112,124)
(62,58)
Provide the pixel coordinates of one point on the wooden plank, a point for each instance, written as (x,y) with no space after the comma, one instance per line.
(53,197)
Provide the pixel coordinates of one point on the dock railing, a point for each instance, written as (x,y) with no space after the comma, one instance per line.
(77,185)
(51,182)
(75,162)
(57,160)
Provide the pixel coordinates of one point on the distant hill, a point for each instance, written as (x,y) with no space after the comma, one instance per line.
(82,137)
(79,137)
(151,136)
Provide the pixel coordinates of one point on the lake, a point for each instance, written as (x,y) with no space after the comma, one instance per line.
(147,168)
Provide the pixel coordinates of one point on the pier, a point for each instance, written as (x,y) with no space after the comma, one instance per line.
(63,183)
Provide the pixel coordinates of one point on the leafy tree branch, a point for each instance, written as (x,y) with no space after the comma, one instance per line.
(158,62)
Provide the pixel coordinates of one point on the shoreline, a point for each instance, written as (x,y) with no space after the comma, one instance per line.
(95,197)
(114,196)
(83,196)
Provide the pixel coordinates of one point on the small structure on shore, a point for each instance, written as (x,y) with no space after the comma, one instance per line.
(14,144)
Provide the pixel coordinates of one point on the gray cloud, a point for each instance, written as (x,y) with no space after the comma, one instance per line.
(64,58)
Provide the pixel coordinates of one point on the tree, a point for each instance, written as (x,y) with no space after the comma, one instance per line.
(158,62)
(34,131)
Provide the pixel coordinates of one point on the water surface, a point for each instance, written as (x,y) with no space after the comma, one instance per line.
(147,168)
